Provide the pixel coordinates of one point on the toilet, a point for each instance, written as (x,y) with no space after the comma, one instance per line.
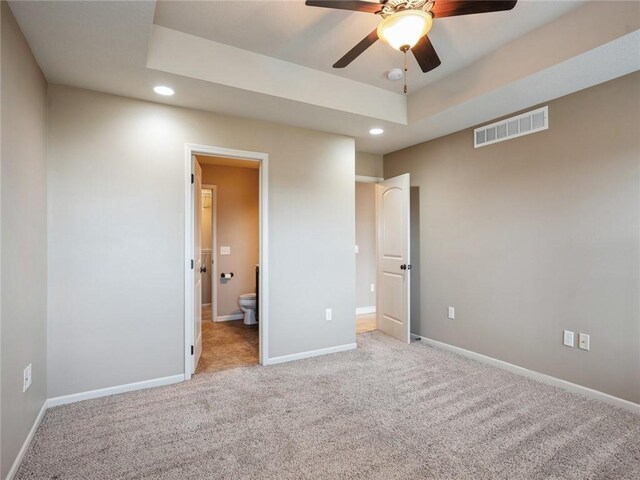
(248,305)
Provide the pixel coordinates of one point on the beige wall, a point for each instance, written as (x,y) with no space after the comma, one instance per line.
(116,278)
(366,241)
(535,235)
(369,164)
(207,239)
(24,239)
(237,227)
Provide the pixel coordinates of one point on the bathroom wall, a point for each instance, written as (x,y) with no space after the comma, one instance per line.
(238,227)
(366,242)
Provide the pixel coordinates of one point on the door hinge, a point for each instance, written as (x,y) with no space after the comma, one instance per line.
(193,178)
(192,266)
(191,349)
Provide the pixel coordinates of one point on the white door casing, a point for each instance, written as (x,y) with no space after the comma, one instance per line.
(197,270)
(190,150)
(393,268)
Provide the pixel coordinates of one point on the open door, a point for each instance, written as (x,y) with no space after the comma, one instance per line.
(198,267)
(393,268)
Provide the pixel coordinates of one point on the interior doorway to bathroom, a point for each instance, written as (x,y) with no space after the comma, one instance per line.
(230,256)
(366,254)
(225,324)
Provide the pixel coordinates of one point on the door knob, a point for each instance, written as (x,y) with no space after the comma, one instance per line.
(403,267)
(203,269)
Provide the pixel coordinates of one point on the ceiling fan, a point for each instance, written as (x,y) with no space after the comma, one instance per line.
(405,24)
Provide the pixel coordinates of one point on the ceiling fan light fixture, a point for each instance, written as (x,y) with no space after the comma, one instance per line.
(403,29)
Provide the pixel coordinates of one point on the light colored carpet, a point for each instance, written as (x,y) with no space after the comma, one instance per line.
(384,411)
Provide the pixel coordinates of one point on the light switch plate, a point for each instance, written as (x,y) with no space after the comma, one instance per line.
(584,341)
(329,314)
(373,287)
(567,338)
(225,250)
(452,313)
(357,249)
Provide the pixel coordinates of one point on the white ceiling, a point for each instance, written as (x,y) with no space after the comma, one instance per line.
(318,37)
(272,60)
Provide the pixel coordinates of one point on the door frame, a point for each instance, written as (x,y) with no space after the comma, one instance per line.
(214,248)
(190,150)
(407,273)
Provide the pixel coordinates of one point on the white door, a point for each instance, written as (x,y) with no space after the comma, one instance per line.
(197,270)
(392,206)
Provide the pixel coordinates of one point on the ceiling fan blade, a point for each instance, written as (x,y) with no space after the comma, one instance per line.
(352,54)
(425,54)
(450,8)
(354,5)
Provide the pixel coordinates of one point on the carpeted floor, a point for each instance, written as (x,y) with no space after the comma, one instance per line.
(384,411)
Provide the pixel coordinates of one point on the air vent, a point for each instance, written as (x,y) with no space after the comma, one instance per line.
(524,124)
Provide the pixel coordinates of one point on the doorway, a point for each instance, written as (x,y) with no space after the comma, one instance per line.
(225,300)
(383,251)
(365,200)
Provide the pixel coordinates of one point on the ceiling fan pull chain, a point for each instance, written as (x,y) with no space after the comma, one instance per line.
(405,72)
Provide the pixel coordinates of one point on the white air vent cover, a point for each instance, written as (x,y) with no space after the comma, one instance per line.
(530,122)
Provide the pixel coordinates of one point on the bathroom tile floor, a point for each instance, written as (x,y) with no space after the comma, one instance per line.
(226,344)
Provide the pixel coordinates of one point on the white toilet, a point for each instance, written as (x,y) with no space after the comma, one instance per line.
(248,306)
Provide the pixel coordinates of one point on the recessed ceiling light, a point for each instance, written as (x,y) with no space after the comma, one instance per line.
(160,90)
(376,131)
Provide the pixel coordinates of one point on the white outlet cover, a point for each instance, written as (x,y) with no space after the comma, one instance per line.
(567,338)
(584,341)
(452,313)
(329,314)
(26,378)
(373,287)
(357,249)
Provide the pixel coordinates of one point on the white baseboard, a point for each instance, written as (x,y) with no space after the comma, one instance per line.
(364,310)
(27,441)
(311,353)
(226,318)
(541,377)
(103,392)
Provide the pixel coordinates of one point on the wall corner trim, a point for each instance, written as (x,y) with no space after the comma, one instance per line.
(541,377)
(311,353)
(103,392)
(27,441)
(365,310)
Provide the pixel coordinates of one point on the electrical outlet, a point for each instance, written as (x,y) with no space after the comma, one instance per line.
(225,250)
(373,287)
(329,315)
(567,338)
(26,378)
(583,341)
(357,249)
(452,313)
